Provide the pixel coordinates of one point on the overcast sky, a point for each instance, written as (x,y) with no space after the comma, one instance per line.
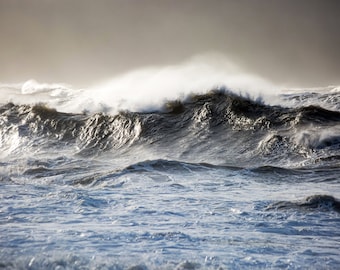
(293,42)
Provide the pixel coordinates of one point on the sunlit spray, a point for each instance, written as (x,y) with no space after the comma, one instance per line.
(144,89)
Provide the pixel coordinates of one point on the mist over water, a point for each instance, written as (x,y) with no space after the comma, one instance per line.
(144,89)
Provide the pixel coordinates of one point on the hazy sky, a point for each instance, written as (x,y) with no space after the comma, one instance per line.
(295,42)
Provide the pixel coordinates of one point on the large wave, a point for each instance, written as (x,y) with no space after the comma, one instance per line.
(219,126)
(170,112)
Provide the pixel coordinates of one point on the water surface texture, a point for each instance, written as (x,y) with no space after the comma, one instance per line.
(212,181)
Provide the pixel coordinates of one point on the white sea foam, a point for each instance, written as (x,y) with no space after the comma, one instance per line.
(147,88)
(143,89)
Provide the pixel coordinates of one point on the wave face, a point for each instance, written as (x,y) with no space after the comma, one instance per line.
(217,125)
(207,181)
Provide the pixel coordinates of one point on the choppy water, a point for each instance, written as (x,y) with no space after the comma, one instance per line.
(217,181)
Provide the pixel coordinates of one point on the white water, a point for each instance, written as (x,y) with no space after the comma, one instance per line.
(189,218)
(145,89)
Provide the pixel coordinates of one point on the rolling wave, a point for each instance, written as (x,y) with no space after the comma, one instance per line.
(218,124)
(310,203)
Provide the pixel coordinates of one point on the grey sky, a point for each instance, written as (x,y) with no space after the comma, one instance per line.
(295,42)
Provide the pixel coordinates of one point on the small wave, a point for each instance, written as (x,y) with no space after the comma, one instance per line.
(316,138)
(173,165)
(326,97)
(72,261)
(311,203)
(156,166)
(316,114)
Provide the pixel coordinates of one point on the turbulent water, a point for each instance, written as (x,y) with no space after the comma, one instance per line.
(211,181)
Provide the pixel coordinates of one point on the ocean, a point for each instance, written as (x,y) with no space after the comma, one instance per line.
(212,180)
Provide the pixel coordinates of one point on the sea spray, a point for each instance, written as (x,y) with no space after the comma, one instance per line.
(145,89)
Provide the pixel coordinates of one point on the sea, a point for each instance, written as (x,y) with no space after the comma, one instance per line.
(216,179)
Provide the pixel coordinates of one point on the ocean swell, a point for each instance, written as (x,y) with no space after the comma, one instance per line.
(217,121)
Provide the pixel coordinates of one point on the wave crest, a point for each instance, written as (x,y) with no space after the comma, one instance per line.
(219,123)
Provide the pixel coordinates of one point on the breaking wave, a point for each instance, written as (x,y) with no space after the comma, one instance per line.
(217,124)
